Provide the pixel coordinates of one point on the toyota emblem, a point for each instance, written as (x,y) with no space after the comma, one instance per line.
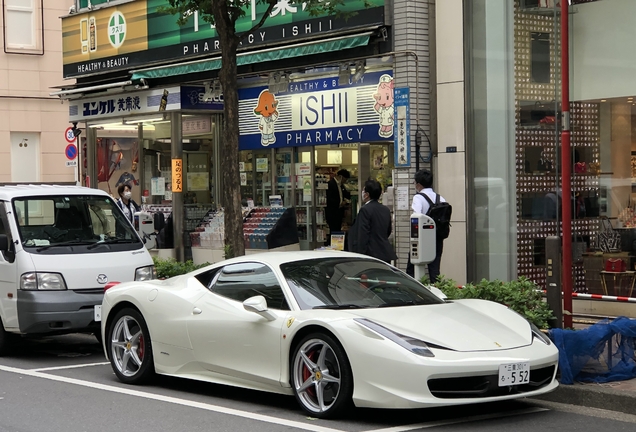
(102,279)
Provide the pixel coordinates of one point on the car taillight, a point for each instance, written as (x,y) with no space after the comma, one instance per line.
(109,285)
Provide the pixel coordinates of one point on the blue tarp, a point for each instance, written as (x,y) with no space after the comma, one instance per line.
(601,353)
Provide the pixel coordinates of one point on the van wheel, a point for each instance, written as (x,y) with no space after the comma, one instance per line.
(6,340)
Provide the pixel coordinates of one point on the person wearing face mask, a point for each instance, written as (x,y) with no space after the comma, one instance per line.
(369,234)
(126,203)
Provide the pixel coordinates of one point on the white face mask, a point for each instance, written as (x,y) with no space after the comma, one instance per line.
(127,194)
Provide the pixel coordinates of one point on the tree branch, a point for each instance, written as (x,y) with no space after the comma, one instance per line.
(259,24)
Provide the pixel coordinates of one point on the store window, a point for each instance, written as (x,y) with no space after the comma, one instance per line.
(23,26)
(514,65)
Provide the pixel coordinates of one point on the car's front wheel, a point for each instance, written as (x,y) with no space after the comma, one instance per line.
(321,376)
(129,347)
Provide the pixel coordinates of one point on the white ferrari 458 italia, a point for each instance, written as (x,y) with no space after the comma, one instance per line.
(331,328)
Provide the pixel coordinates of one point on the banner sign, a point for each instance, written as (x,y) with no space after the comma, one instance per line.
(141,102)
(136,34)
(317,112)
(402,128)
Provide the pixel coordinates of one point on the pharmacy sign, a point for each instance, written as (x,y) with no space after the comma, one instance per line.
(117,29)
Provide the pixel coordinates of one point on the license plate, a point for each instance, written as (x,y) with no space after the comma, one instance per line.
(514,374)
(98,313)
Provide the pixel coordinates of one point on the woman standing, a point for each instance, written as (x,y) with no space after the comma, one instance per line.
(126,203)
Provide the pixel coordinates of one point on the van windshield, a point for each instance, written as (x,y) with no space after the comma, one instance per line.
(80,223)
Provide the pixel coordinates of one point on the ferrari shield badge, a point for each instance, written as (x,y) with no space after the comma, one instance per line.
(290,321)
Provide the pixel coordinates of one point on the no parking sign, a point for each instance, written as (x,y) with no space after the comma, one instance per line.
(71,154)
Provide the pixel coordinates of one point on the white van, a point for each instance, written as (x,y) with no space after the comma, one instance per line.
(59,247)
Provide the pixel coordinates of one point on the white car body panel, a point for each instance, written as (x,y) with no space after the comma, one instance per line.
(200,335)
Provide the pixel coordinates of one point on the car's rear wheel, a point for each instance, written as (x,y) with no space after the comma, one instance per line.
(321,376)
(129,347)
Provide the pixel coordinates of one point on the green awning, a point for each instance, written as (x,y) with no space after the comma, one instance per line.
(305,49)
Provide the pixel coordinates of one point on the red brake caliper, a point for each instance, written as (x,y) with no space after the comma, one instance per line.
(307,373)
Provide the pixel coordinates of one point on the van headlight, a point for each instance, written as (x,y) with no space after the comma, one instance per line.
(145,273)
(42,281)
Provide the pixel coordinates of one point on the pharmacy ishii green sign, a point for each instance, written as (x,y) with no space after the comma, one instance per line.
(138,34)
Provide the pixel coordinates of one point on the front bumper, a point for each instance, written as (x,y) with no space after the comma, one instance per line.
(387,376)
(58,312)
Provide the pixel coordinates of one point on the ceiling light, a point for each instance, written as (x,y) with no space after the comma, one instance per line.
(603,100)
(143,120)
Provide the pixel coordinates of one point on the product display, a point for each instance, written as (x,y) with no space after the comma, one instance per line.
(270,227)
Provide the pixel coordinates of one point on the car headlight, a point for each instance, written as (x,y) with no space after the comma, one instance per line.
(145,273)
(416,346)
(42,281)
(536,333)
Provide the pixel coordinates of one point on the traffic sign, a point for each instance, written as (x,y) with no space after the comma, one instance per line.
(71,152)
(71,163)
(69,135)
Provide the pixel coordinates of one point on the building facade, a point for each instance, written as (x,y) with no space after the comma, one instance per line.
(147,95)
(499,100)
(32,123)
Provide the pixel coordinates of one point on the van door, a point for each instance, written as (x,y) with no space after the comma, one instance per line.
(8,274)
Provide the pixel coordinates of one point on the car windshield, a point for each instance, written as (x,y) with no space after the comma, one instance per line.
(352,283)
(49,222)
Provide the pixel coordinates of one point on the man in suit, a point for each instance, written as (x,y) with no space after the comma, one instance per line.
(370,232)
(337,199)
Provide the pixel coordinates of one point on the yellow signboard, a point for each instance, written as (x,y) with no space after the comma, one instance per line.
(100,40)
(177,175)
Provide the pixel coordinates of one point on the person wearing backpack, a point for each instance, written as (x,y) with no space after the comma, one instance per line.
(426,201)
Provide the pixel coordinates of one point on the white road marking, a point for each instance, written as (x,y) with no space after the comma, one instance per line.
(429,425)
(173,400)
(69,367)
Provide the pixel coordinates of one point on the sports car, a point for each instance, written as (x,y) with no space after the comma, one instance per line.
(331,328)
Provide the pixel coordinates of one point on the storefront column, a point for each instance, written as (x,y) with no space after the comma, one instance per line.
(177,197)
(364,170)
(91,156)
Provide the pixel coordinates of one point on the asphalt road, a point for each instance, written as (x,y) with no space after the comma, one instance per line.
(64,384)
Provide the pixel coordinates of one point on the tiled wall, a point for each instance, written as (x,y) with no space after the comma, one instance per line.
(412,32)
(25,104)
(450,168)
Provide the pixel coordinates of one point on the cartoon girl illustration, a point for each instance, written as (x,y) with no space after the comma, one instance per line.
(266,110)
(384,105)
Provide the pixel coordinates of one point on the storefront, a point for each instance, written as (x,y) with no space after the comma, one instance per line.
(319,125)
(148,97)
(514,118)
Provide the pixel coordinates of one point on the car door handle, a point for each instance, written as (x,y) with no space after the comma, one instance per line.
(196,311)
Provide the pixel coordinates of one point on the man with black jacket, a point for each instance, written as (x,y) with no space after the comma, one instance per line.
(370,232)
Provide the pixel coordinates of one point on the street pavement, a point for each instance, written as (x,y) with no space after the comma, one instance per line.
(617,396)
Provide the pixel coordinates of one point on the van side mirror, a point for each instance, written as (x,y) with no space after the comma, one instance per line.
(4,243)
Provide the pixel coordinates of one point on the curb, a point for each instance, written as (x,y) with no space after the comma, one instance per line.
(594,396)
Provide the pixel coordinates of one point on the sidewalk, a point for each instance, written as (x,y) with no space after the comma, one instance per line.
(615,396)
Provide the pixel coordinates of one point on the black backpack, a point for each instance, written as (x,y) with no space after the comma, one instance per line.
(441,213)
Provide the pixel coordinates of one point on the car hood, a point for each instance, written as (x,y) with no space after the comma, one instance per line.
(464,325)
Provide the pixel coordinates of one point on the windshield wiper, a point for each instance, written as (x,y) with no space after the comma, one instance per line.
(65,243)
(111,241)
(397,304)
(341,306)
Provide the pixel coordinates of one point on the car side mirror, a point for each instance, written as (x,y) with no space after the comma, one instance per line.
(258,304)
(4,243)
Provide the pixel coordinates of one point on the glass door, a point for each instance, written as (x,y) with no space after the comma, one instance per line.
(262,172)
(304,197)
(284,179)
